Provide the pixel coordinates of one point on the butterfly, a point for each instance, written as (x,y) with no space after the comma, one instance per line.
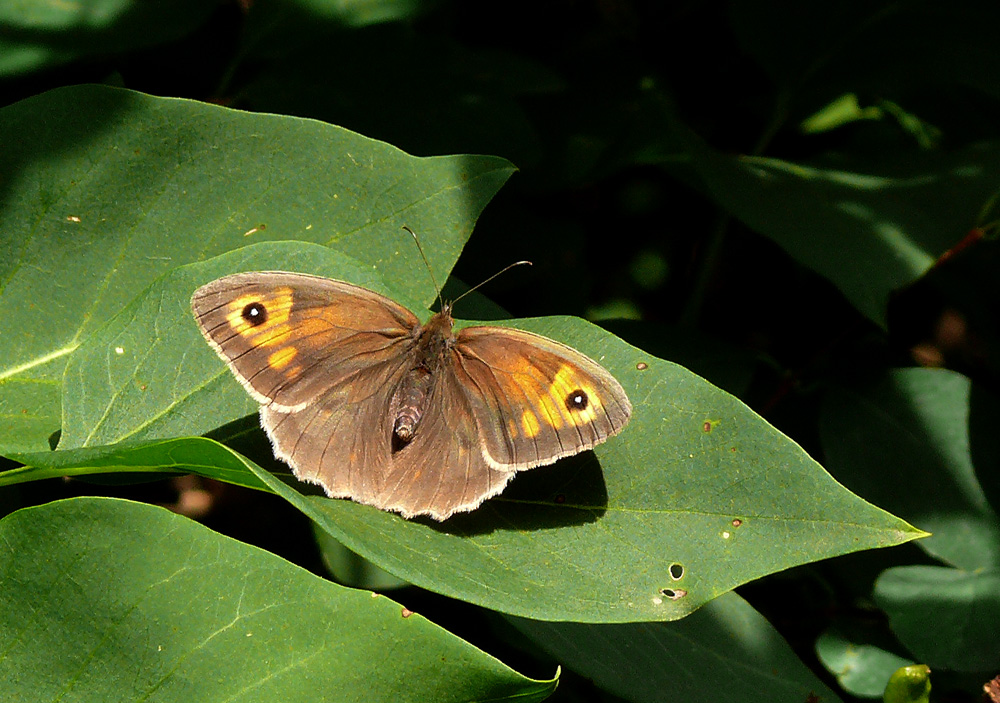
(361,398)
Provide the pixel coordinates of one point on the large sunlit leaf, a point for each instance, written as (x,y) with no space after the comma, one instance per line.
(105,190)
(582,540)
(150,374)
(109,600)
(697,496)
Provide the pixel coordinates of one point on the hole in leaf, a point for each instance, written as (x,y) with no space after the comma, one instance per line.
(673,593)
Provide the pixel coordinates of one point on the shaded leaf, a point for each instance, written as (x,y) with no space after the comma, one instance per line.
(947,617)
(880,47)
(725,652)
(351,569)
(454,99)
(37,35)
(862,667)
(869,227)
(110,600)
(904,443)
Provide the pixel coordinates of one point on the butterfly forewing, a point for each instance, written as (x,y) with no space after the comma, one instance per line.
(289,338)
(536,400)
(342,443)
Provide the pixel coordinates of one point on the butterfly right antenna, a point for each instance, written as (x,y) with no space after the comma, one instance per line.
(480,285)
(434,281)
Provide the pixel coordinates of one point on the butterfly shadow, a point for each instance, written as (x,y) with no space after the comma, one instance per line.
(570,492)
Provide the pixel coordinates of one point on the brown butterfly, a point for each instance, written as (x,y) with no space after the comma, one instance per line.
(362,399)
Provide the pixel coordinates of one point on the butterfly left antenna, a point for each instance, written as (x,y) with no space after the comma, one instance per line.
(427,263)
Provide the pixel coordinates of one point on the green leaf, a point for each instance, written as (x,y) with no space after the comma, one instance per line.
(904,443)
(725,652)
(109,600)
(108,189)
(862,667)
(39,35)
(351,569)
(698,496)
(869,227)
(180,455)
(600,541)
(722,364)
(357,13)
(947,617)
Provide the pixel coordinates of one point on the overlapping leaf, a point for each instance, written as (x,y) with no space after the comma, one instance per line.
(869,228)
(905,442)
(105,190)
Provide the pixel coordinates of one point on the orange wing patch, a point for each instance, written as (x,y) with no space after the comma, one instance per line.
(553,411)
(529,423)
(569,399)
(274,329)
(282,358)
(576,400)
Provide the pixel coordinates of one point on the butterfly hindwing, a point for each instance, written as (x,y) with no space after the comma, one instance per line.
(348,449)
(443,470)
(341,442)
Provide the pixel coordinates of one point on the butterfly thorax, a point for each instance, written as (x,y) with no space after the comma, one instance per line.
(433,344)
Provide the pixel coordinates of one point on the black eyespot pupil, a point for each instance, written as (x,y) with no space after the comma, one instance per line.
(577,400)
(255,314)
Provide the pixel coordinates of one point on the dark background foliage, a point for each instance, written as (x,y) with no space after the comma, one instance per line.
(598,102)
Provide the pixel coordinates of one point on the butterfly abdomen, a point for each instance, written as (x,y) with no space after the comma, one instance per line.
(413,394)
(410,401)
